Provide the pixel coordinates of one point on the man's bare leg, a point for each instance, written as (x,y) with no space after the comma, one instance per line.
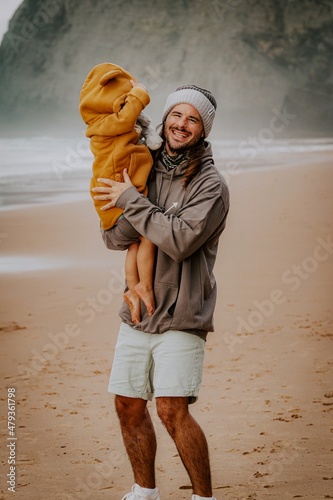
(146,263)
(190,441)
(139,438)
(131,298)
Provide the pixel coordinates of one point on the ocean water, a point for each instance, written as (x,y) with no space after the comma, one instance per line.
(42,170)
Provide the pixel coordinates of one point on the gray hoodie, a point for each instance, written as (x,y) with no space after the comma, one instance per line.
(185,225)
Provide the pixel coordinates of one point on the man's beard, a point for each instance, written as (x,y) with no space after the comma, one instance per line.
(182,147)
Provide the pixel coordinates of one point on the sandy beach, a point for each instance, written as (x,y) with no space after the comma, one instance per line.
(267,397)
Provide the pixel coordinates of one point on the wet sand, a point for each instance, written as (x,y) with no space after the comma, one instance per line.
(267,397)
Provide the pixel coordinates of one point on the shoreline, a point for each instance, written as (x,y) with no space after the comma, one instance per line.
(229,169)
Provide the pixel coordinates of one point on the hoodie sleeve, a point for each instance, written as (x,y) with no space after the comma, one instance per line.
(179,235)
(113,124)
(120,236)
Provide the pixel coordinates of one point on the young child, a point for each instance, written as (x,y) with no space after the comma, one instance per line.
(111,104)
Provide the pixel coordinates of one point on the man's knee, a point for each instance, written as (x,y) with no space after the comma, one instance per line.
(129,407)
(171,411)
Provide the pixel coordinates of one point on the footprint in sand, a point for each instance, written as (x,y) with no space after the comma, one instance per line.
(258,449)
(12,327)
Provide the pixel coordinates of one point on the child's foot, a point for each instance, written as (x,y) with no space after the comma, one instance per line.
(132,299)
(147,297)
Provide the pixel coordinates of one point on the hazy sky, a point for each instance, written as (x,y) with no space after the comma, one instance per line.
(7,9)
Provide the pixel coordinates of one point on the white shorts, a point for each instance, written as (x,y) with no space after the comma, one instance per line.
(166,364)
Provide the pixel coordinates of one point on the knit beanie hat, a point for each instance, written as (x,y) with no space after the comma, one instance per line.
(202,100)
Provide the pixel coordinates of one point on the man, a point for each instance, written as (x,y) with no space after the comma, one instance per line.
(184,216)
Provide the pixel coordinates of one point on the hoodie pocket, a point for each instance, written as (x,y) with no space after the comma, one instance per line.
(166,298)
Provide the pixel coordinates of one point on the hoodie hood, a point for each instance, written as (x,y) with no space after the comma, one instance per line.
(180,169)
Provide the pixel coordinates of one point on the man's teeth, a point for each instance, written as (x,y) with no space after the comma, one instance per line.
(180,134)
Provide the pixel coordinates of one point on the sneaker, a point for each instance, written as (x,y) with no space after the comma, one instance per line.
(196,497)
(134,495)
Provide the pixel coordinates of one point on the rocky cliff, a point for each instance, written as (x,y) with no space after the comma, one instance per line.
(258,57)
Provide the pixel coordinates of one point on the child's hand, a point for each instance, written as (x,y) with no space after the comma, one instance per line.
(137,84)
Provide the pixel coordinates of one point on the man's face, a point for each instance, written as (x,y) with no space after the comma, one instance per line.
(182,129)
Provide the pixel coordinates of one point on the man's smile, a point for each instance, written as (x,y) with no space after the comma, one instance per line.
(180,134)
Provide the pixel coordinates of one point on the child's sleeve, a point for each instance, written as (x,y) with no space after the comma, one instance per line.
(122,121)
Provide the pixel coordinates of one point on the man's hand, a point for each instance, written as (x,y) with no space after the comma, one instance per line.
(113,191)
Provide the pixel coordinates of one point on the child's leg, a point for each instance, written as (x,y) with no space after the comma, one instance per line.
(131,267)
(145,265)
(131,298)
